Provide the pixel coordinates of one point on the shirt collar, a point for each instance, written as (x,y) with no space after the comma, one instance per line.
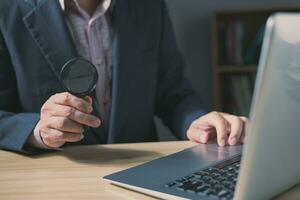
(62,4)
(106,4)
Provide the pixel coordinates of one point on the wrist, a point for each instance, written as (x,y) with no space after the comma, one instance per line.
(36,140)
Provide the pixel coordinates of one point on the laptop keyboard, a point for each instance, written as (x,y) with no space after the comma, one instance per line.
(217,182)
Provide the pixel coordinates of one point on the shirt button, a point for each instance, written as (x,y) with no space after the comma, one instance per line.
(99,61)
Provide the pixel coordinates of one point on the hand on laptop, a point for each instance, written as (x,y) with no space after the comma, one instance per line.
(229,129)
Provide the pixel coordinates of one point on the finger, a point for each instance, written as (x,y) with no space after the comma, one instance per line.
(48,140)
(88,99)
(54,137)
(245,127)
(197,132)
(236,125)
(245,120)
(75,115)
(201,134)
(64,124)
(85,119)
(73,101)
(207,135)
(71,137)
(221,125)
(198,135)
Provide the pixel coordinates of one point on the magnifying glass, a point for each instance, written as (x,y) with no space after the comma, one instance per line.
(79,77)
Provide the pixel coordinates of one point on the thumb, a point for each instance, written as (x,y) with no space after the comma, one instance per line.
(199,135)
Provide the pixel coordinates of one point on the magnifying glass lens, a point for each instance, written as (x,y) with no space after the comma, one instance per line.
(79,77)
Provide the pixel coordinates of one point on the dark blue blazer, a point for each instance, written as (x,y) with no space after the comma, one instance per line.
(147,71)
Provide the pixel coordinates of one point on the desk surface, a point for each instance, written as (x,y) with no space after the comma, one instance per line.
(76,172)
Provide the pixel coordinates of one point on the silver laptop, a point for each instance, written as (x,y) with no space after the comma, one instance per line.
(270,162)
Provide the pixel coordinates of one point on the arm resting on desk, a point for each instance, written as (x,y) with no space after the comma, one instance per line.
(177,103)
(15,129)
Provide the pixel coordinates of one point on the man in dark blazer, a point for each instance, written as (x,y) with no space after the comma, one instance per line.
(147,80)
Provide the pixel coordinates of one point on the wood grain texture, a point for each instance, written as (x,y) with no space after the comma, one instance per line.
(76,172)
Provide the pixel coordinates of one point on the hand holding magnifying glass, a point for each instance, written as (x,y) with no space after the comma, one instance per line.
(64,116)
(79,77)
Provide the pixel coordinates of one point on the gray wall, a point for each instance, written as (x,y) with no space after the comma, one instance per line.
(192,24)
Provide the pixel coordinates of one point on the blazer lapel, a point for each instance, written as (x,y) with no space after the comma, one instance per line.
(48,28)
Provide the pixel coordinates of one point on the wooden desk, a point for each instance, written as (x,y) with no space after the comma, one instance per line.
(76,172)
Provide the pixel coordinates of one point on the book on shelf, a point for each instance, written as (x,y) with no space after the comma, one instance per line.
(233,50)
(253,51)
(238,38)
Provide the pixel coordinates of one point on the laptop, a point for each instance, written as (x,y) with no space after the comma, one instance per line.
(268,164)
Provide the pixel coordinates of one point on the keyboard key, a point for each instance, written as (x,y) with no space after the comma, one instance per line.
(201,173)
(170,184)
(202,189)
(189,177)
(189,185)
(213,183)
(219,187)
(215,175)
(198,177)
(206,178)
(223,193)
(229,196)
(180,180)
(196,188)
(210,170)
(226,183)
(230,169)
(221,178)
(211,192)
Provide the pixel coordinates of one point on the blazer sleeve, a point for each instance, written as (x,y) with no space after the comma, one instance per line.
(15,126)
(177,103)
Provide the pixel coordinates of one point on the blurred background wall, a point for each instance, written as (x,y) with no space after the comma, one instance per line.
(192,24)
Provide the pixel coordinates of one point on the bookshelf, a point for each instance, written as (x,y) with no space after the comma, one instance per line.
(237,37)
